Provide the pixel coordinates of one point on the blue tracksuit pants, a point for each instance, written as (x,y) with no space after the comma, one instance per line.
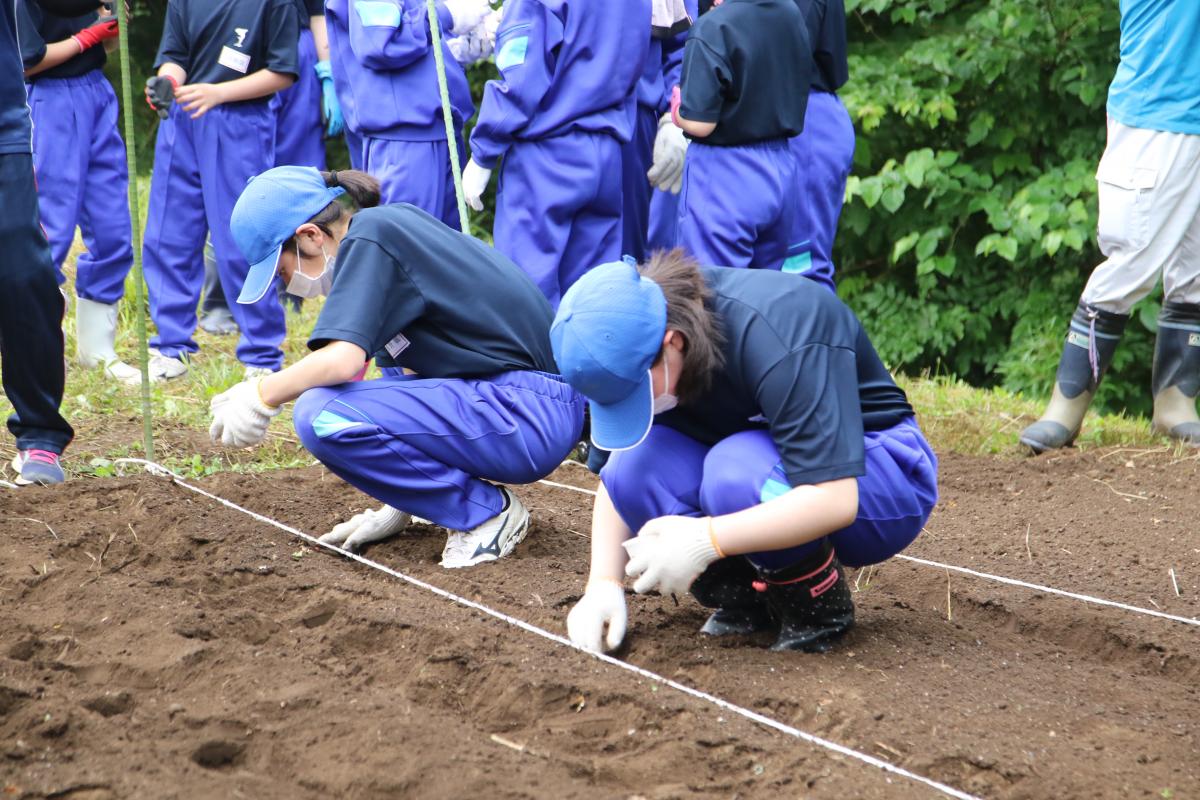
(83,180)
(736,207)
(670,473)
(31,312)
(431,446)
(354,146)
(663,232)
(414,172)
(637,155)
(299,137)
(824,154)
(200,169)
(558,208)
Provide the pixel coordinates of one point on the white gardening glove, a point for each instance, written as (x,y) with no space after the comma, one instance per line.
(466,14)
(468,49)
(239,415)
(367,527)
(487,29)
(603,603)
(670,148)
(669,553)
(475,180)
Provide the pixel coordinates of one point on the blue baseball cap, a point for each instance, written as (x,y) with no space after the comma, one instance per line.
(267,214)
(606,335)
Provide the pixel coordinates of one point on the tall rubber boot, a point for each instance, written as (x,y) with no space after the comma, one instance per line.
(728,586)
(811,601)
(1176,379)
(1091,342)
(95,336)
(215,316)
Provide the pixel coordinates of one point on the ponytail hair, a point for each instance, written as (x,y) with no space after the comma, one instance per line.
(362,191)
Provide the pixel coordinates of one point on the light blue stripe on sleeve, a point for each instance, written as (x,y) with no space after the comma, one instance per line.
(512,53)
(378,13)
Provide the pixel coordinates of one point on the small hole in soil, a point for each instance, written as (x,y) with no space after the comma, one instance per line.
(217,754)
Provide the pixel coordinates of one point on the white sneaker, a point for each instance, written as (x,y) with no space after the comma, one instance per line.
(164,368)
(257,372)
(491,540)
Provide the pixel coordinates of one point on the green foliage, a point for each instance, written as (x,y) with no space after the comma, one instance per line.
(969,229)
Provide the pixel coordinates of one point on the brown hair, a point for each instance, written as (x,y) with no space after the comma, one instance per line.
(362,191)
(689,311)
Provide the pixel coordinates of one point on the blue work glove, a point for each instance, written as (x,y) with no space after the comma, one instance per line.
(331,110)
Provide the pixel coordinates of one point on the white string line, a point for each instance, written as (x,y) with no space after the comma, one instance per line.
(1100,601)
(725,705)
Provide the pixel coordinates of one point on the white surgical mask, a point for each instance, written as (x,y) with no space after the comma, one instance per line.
(665,401)
(302,285)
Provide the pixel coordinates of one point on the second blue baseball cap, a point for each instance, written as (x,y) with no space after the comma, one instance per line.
(606,335)
(267,214)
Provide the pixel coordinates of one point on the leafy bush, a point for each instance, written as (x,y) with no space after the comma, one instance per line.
(969,230)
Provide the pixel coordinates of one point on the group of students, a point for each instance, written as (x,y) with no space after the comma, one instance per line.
(612,141)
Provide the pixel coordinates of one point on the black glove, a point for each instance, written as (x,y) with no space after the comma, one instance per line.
(160,94)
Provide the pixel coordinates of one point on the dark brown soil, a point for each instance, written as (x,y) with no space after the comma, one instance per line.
(154,644)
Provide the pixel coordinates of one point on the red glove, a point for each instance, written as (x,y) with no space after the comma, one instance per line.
(95,34)
(676,102)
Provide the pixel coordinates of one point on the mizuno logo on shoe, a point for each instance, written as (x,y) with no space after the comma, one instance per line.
(492,547)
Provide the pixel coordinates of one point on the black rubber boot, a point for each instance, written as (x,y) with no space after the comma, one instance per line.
(728,586)
(1092,340)
(811,600)
(1177,372)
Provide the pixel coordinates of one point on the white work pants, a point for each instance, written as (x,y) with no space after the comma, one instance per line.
(1149,185)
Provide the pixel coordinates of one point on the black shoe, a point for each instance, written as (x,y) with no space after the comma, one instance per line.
(812,602)
(728,586)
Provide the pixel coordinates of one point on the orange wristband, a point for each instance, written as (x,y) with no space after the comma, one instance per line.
(712,538)
(261,399)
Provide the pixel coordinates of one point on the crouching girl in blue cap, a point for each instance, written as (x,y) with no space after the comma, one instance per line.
(758,444)
(482,402)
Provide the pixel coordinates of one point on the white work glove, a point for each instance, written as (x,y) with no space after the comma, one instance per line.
(469,48)
(474,181)
(603,603)
(466,14)
(477,44)
(239,415)
(669,553)
(670,148)
(367,527)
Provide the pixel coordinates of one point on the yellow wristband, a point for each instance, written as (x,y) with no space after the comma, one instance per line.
(712,538)
(261,399)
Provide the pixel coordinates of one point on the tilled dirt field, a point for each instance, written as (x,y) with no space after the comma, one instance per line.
(154,644)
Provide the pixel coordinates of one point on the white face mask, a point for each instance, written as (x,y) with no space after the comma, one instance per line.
(665,401)
(302,285)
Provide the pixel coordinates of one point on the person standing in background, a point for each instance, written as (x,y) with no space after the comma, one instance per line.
(79,160)
(31,306)
(742,95)
(1149,190)
(219,63)
(559,114)
(386,78)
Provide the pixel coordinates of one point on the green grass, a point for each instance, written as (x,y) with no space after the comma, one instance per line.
(107,415)
(963,419)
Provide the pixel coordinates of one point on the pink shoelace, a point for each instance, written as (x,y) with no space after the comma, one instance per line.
(44,456)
